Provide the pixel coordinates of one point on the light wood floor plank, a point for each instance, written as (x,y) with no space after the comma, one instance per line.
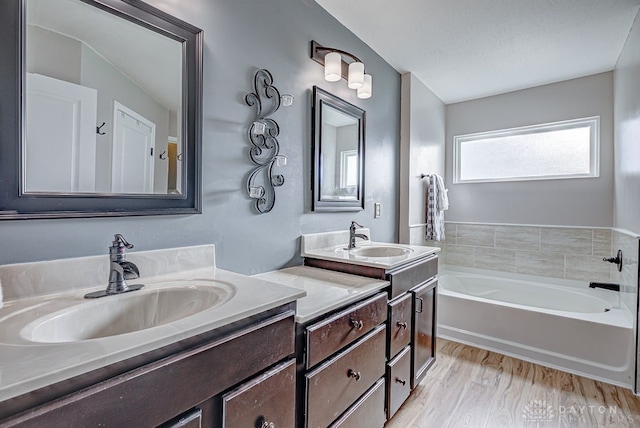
(472,388)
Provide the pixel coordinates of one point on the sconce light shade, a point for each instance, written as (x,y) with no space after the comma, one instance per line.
(365,91)
(286,99)
(332,67)
(356,75)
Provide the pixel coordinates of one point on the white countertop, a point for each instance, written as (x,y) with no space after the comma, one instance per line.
(326,290)
(26,365)
(337,253)
(331,246)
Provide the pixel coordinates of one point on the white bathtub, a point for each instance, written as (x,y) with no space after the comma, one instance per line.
(566,326)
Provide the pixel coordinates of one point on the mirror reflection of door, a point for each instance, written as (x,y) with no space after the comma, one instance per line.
(60,147)
(134,140)
(339,155)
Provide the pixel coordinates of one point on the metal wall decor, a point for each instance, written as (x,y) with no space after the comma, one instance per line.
(263,133)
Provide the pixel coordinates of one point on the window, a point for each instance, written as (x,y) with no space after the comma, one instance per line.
(348,169)
(568,149)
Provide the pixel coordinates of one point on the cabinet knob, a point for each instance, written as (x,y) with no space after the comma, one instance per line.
(358,324)
(354,374)
(402,325)
(267,424)
(402,381)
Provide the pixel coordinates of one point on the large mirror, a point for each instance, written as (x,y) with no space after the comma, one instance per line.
(111,110)
(338,154)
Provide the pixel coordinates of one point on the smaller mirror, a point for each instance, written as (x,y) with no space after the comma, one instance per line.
(338,153)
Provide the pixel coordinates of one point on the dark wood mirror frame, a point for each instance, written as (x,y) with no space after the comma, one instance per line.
(320,98)
(14,204)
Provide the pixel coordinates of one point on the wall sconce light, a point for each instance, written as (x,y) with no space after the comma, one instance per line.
(335,68)
(263,136)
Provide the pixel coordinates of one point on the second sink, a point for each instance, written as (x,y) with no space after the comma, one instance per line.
(381,251)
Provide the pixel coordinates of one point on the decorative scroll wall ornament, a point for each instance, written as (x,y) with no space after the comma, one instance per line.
(263,136)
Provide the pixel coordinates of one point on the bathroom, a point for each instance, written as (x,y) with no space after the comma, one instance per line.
(241,37)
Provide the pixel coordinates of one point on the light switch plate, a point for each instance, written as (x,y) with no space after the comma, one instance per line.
(376,210)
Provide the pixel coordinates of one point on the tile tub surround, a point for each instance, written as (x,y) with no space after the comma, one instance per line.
(330,246)
(27,366)
(326,290)
(559,252)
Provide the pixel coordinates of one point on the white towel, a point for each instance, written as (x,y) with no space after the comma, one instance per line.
(437,203)
(443,198)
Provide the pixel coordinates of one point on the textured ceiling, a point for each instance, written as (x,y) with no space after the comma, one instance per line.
(466,49)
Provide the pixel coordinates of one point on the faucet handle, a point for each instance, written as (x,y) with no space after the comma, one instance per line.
(119,241)
(355,223)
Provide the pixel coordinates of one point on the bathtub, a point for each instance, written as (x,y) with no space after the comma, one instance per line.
(556,323)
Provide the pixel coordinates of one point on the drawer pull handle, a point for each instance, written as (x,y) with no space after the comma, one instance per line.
(358,324)
(267,424)
(354,374)
(402,381)
(402,325)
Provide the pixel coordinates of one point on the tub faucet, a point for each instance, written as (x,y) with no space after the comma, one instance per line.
(353,235)
(119,270)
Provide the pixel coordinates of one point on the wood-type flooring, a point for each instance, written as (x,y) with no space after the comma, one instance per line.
(474,388)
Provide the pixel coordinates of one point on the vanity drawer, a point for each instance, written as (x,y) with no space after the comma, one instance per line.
(336,384)
(368,411)
(407,277)
(334,333)
(400,326)
(268,398)
(398,381)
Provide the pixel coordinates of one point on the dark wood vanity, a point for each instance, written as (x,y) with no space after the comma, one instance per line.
(410,343)
(241,375)
(341,366)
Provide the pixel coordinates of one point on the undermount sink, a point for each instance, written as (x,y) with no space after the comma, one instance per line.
(128,312)
(381,251)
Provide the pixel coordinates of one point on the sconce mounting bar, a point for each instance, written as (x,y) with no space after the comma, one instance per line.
(318,52)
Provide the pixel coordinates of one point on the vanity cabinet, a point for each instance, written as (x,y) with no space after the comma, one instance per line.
(341,366)
(411,326)
(240,375)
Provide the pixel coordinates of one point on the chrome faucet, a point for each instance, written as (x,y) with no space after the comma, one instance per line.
(353,235)
(119,270)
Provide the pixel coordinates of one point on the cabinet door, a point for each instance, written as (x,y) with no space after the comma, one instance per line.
(266,401)
(424,330)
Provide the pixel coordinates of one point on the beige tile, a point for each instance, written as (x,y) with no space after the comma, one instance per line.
(543,264)
(586,268)
(495,259)
(518,237)
(566,240)
(450,232)
(602,242)
(459,255)
(476,234)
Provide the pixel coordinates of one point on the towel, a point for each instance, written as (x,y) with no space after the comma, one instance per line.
(437,204)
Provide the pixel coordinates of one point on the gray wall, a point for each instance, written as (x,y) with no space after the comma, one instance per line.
(627,139)
(572,202)
(242,36)
(423,144)
(53,55)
